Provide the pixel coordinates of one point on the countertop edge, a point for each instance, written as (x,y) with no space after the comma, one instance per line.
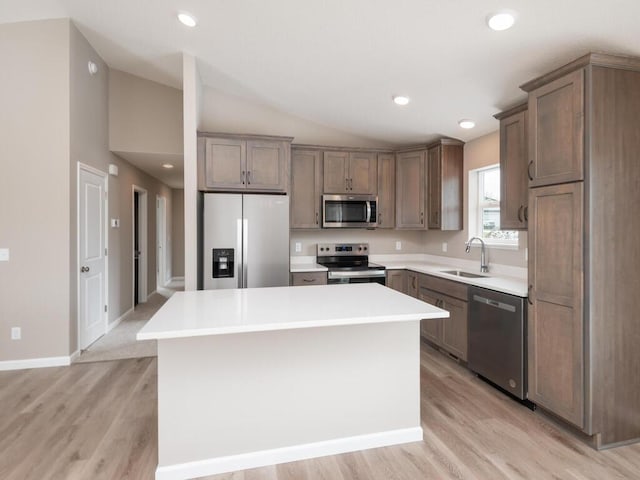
(274,327)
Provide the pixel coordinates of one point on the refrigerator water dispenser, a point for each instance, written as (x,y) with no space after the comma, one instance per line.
(223,262)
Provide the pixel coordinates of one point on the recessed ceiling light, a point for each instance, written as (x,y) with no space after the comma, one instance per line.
(167,165)
(187,19)
(501,21)
(467,123)
(400,100)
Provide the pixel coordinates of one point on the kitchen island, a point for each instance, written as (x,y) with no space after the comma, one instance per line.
(253,377)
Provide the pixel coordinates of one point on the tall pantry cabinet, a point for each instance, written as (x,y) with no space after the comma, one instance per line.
(584,245)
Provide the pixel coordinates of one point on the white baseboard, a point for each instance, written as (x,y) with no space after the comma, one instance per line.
(35,363)
(117,321)
(74,355)
(232,463)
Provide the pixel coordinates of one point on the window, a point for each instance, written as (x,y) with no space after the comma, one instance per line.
(484,208)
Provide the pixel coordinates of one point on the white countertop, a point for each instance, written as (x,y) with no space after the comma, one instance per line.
(219,312)
(500,283)
(307,267)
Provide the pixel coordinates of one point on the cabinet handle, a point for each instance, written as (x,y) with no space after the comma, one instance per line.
(526,213)
(529,174)
(242,177)
(413,282)
(421,218)
(351,184)
(529,292)
(317,218)
(520,219)
(380,219)
(309,280)
(346,184)
(249,178)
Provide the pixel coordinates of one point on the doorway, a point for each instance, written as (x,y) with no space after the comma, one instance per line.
(92,255)
(140,249)
(162,257)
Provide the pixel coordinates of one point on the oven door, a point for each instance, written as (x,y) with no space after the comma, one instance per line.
(358,276)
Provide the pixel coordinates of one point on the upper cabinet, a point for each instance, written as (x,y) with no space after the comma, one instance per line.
(514,184)
(556,143)
(410,190)
(429,186)
(444,174)
(386,190)
(350,172)
(306,188)
(243,162)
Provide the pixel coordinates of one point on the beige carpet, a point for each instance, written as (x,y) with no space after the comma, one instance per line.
(121,342)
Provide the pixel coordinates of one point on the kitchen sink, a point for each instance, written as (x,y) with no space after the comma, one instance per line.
(462,273)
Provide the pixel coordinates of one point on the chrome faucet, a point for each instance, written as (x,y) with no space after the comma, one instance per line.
(483,262)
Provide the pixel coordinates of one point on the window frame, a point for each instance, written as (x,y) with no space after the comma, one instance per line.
(477,206)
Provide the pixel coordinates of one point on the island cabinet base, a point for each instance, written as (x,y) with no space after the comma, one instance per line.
(238,401)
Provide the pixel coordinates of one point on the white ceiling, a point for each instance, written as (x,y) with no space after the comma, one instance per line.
(338,62)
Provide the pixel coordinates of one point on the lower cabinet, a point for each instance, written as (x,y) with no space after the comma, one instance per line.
(450,334)
(412,284)
(308,278)
(397,279)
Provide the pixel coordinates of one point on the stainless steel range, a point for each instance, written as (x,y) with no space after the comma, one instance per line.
(349,263)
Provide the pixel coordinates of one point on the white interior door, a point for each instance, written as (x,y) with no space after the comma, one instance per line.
(91,259)
(161,241)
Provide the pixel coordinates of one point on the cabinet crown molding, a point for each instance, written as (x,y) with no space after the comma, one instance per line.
(521,107)
(597,59)
(242,136)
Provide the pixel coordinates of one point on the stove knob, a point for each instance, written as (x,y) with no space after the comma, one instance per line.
(365,248)
(359,248)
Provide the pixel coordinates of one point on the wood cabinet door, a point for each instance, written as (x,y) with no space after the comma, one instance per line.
(410,190)
(299,279)
(363,173)
(412,284)
(555,317)
(434,177)
(454,328)
(386,190)
(306,185)
(556,143)
(431,329)
(267,166)
(397,279)
(514,184)
(225,163)
(336,172)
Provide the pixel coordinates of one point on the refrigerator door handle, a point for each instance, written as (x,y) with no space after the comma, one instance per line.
(239,251)
(245,252)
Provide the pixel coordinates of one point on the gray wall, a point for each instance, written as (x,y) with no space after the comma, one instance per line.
(177,233)
(34,189)
(121,239)
(54,115)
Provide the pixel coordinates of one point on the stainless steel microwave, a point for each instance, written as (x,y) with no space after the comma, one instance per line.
(349,211)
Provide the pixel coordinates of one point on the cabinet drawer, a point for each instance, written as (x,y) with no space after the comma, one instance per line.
(448,287)
(308,278)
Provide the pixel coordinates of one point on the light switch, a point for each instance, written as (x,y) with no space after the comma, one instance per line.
(115,223)
(444,246)
(4,254)
(298,247)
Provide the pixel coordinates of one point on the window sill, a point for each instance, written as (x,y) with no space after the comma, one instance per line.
(496,246)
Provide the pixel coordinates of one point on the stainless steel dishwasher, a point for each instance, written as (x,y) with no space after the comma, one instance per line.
(497,339)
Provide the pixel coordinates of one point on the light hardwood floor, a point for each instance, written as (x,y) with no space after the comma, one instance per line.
(98,421)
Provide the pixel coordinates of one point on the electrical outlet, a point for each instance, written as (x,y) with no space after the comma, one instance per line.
(16,333)
(4,254)
(298,247)
(398,245)
(444,246)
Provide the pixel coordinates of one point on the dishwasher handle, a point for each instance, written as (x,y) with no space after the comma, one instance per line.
(493,303)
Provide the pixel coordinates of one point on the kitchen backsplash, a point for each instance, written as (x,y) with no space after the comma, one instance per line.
(383,242)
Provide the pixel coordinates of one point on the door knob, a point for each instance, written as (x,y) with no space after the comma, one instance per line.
(84,269)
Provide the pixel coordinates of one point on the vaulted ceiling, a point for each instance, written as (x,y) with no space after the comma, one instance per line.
(339,62)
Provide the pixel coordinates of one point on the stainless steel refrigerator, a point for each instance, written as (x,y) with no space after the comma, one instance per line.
(245,241)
